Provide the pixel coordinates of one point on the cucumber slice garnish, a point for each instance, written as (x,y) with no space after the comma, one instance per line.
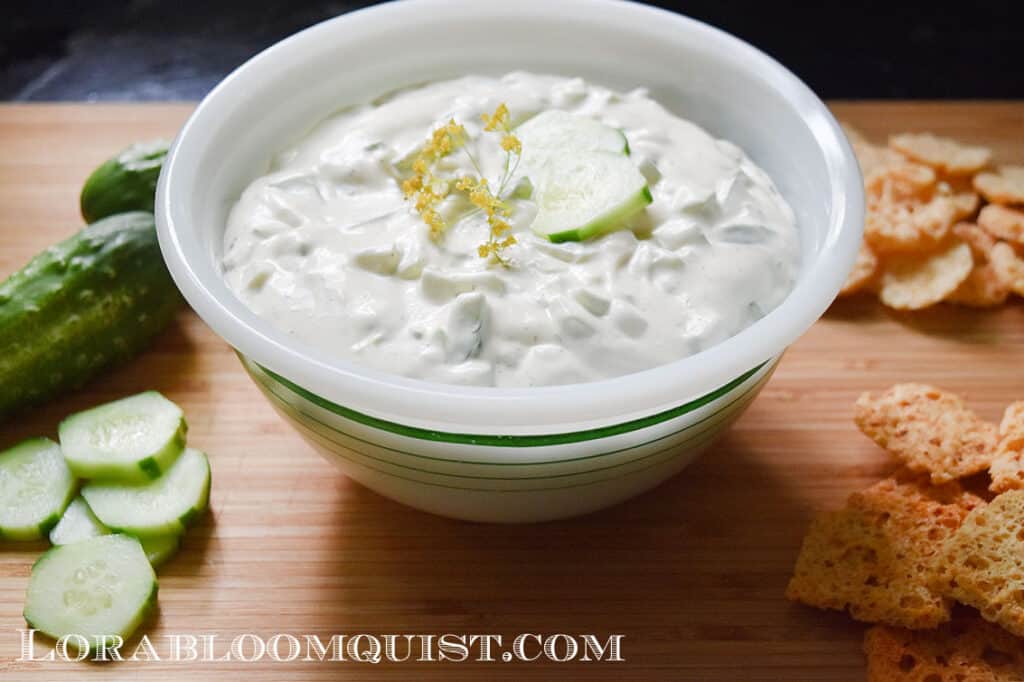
(165,506)
(584,181)
(133,439)
(78,523)
(35,487)
(160,548)
(98,588)
(584,194)
(554,130)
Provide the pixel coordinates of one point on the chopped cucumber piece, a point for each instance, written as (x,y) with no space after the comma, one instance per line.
(78,523)
(584,194)
(133,439)
(165,506)
(98,588)
(35,487)
(554,132)
(160,548)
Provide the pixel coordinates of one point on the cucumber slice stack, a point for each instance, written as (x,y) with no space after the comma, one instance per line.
(584,182)
(145,487)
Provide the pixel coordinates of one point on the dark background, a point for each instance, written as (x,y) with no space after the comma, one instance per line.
(178,49)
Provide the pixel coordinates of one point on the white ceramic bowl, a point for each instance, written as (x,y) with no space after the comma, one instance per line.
(509,454)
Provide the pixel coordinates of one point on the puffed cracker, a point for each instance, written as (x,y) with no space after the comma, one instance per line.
(965,204)
(1005,186)
(929,430)
(863,273)
(1007,470)
(984,287)
(968,649)
(1003,222)
(980,241)
(1009,266)
(908,225)
(941,153)
(867,558)
(900,181)
(912,281)
(982,563)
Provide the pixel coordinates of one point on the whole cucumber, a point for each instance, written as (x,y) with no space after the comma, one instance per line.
(79,306)
(126,182)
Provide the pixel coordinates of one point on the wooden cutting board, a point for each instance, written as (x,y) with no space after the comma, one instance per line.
(692,573)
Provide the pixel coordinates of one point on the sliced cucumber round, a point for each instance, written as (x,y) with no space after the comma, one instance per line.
(35,487)
(99,588)
(133,439)
(160,548)
(165,506)
(78,523)
(581,195)
(554,131)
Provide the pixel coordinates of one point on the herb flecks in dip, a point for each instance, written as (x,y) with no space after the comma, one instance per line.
(327,247)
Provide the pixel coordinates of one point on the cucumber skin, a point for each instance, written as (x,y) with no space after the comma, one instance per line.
(79,306)
(126,182)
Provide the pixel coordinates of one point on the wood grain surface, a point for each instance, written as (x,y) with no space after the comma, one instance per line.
(692,573)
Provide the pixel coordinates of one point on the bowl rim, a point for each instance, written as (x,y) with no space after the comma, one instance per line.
(535,410)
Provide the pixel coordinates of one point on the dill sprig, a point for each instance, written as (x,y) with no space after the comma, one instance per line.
(428,189)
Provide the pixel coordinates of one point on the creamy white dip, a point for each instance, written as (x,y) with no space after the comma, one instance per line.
(326,247)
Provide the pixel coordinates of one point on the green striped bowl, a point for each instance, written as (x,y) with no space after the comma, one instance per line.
(516,454)
(510,478)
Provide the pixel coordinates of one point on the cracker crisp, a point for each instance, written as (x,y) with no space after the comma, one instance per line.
(1003,223)
(941,153)
(928,430)
(900,182)
(980,241)
(1007,470)
(1009,266)
(984,287)
(911,281)
(982,564)
(863,273)
(868,557)
(969,649)
(1005,186)
(965,204)
(901,226)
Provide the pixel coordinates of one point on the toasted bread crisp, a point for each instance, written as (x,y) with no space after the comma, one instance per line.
(1009,265)
(941,153)
(863,273)
(913,281)
(929,430)
(968,649)
(1007,470)
(874,557)
(1006,186)
(1003,223)
(982,564)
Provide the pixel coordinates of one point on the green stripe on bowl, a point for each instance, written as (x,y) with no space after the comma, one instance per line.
(517,441)
(304,416)
(653,460)
(325,431)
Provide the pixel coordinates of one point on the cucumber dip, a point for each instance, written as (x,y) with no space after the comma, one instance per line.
(625,237)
